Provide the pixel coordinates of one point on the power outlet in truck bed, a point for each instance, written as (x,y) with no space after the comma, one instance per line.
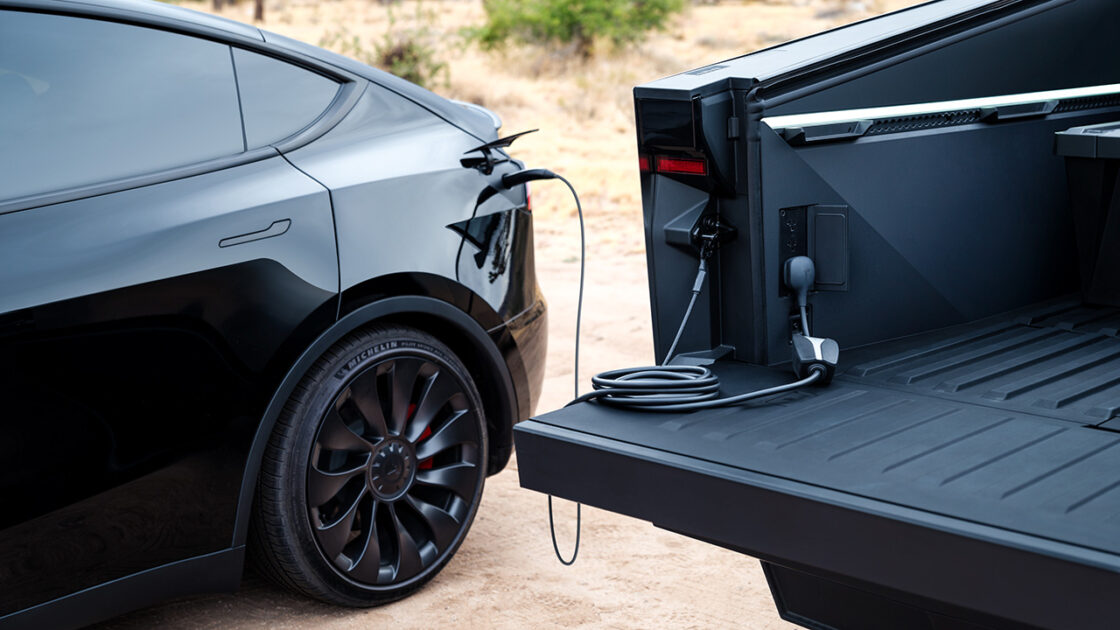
(821,233)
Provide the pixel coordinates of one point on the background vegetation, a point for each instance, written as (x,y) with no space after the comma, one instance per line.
(407,50)
(571,25)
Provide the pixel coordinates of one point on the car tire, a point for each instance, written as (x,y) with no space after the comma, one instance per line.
(373,472)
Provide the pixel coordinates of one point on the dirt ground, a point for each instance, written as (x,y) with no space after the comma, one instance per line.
(629,574)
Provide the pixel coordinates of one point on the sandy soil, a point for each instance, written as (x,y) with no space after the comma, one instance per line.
(629,574)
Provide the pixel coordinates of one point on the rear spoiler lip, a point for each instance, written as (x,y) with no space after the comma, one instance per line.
(494,118)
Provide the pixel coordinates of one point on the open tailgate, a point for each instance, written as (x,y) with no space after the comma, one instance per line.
(1007,515)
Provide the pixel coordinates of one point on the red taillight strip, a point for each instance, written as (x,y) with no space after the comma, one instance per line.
(681,166)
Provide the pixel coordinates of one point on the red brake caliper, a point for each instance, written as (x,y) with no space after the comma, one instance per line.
(427,463)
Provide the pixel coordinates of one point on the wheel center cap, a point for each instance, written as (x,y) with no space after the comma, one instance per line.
(392,468)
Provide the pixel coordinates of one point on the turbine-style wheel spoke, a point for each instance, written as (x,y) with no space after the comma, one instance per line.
(394,472)
(336,436)
(334,536)
(442,525)
(367,567)
(458,430)
(322,486)
(408,554)
(440,388)
(459,478)
(363,393)
(402,378)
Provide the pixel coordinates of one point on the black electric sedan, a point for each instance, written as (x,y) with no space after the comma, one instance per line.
(254,298)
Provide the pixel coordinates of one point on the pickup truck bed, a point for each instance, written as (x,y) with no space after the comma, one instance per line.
(967,471)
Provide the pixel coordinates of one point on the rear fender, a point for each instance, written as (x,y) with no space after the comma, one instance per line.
(391,308)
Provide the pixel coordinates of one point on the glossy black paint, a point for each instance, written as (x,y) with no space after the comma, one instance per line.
(147,345)
(125,416)
(211,573)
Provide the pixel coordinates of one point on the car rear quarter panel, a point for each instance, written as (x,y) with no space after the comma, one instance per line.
(400,196)
(404,204)
(411,219)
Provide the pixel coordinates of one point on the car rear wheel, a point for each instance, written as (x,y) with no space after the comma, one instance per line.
(374,471)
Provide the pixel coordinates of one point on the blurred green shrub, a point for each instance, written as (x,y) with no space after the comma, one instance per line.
(411,59)
(343,42)
(570,24)
(408,52)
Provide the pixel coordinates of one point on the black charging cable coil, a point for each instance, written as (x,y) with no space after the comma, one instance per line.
(678,387)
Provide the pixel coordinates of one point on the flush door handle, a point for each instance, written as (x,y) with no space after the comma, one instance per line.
(276,229)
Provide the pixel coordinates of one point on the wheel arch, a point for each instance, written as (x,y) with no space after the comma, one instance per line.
(469,341)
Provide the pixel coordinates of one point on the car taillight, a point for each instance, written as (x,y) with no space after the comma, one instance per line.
(528,198)
(681,166)
(672,165)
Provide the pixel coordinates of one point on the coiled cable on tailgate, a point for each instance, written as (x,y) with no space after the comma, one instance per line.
(676,387)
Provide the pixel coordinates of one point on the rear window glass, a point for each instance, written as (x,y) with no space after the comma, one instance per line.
(278,99)
(86,101)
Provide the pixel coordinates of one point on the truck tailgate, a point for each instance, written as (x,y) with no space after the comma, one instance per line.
(993,510)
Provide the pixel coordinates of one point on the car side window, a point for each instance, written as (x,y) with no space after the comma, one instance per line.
(278,99)
(86,101)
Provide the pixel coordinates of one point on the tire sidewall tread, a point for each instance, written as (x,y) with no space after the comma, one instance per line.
(281,542)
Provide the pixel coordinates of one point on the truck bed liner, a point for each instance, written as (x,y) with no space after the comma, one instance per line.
(1061,361)
(916,430)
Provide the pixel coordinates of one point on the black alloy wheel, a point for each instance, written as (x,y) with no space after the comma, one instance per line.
(374,472)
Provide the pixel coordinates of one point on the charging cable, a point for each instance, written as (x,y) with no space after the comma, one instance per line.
(665,387)
(684,387)
(510,180)
(668,387)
